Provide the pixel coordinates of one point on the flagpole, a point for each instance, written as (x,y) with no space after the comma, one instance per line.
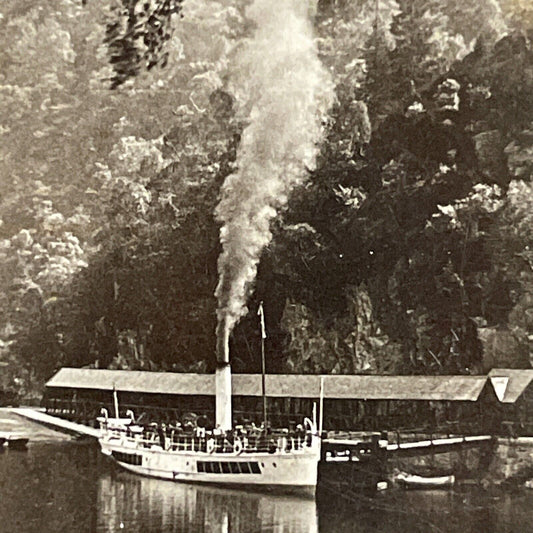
(115,401)
(321,412)
(261,314)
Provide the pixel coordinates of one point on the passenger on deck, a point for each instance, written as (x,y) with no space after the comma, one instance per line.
(162,436)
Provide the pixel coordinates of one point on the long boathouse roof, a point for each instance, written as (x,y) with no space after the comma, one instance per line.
(362,387)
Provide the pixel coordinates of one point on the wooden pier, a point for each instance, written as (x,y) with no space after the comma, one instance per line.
(438,445)
(358,443)
(368,441)
(53,422)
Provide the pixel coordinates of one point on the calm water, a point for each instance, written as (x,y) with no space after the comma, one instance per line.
(60,485)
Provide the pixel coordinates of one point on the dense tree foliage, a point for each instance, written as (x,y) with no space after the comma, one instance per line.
(409,249)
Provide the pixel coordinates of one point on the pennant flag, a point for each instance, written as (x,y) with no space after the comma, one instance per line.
(261,313)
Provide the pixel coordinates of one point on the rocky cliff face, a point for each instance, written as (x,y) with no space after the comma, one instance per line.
(512,462)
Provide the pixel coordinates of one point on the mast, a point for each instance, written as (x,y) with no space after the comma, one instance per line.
(115,401)
(261,314)
(223,411)
(321,412)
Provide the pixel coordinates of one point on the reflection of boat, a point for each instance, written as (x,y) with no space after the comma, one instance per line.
(411,481)
(144,504)
(250,456)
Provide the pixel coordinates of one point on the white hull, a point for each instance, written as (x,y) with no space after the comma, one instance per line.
(286,471)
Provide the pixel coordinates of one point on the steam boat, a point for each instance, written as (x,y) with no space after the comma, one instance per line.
(234,456)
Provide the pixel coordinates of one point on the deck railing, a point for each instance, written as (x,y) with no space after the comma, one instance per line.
(171,439)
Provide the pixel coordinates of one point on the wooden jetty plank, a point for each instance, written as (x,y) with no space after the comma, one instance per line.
(40,417)
(437,442)
(345,442)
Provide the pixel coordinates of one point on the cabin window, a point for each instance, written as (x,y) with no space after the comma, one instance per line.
(129,458)
(245,468)
(227,467)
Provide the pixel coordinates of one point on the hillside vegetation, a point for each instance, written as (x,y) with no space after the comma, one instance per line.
(406,248)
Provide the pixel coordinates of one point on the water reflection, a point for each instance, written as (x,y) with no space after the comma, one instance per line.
(70,486)
(132,503)
(464,510)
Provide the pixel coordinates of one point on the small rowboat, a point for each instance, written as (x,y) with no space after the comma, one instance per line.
(410,481)
(17,443)
(14,440)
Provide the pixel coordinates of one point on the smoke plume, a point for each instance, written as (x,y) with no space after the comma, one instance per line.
(284,92)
